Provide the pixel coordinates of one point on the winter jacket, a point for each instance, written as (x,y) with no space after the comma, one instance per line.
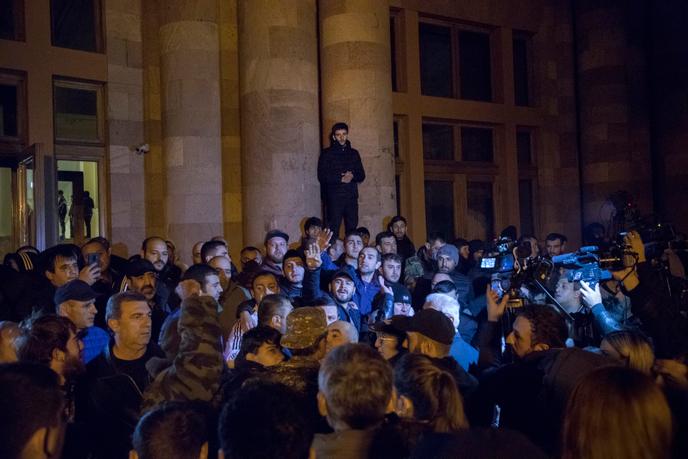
(333,163)
(197,368)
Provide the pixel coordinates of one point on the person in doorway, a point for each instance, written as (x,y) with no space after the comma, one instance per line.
(88,212)
(61,212)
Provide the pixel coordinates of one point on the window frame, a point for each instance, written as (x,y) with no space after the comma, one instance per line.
(16,144)
(98,25)
(456,27)
(84,85)
(19,21)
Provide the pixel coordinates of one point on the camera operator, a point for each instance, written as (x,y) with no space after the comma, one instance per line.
(593,316)
(658,310)
(532,391)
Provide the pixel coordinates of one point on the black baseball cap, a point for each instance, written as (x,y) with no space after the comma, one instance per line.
(401,293)
(74,290)
(343,272)
(276,233)
(138,267)
(431,323)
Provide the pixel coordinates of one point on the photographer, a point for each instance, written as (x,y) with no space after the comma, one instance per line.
(657,309)
(532,391)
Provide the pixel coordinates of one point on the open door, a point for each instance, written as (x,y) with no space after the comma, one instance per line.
(26,199)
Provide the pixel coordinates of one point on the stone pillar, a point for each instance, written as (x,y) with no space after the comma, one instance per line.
(614,124)
(279,115)
(190,90)
(355,75)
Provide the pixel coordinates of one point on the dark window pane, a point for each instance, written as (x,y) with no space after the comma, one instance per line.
(475,72)
(74,24)
(525,202)
(397,184)
(395,129)
(523,148)
(521,95)
(8,20)
(438,141)
(480,210)
(76,114)
(8,111)
(476,144)
(435,60)
(393,43)
(439,207)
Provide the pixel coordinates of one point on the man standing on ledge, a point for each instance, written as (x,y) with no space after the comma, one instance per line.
(340,171)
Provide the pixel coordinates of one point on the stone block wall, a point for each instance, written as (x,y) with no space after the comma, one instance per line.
(125,124)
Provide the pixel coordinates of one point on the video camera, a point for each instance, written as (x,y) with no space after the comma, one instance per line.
(590,264)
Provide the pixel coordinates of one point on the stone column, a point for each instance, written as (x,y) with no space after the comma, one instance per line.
(355,75)
(614,125)
(279,115)
(190,90)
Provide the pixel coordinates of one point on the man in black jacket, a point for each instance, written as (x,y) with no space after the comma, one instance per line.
(340,171)
(117,378)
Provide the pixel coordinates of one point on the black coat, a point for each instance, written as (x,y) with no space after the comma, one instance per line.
(112,402)
(332,164)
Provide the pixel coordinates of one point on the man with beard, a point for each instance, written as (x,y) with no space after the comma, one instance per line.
(532,391)
(75,300)
(52,341)
(154,249)
(118,376)
(385,242)
(275,249)
(447,261)
(142,278)
(291,284)
(232,296)
(342,288)
(397,226)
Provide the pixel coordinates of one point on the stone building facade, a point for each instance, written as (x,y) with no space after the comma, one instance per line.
(541,110)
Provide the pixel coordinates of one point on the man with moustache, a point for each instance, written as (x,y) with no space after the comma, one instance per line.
(142,278)
(154,249)
(118,376)
(275,248)
(232,296)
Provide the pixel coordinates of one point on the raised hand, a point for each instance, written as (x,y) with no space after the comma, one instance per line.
(313,258)
(495,308)
(323,239)
(385,288)
(590,296)
(90,274)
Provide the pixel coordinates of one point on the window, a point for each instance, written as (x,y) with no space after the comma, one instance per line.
(475,74)
(78,112)
(439,207)
(395,132)
(455,61)
(438,141)
(9,126)
(525,201)
(393,48)
(12,108)
(12,19)
(76,24)
(476,144)
(521,50)
(524,147)
(397,185)
(436,60)
(480,218)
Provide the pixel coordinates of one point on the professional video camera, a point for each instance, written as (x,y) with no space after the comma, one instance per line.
(592,264)
(511,265)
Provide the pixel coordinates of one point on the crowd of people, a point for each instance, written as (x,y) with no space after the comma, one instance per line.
(336,348)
